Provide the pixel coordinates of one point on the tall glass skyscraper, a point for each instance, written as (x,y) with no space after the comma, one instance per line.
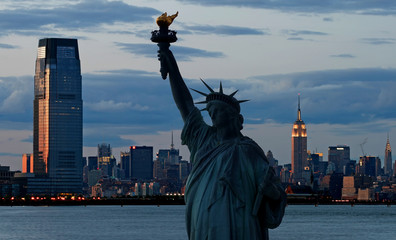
(57,124)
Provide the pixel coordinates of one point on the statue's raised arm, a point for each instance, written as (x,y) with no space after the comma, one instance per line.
(164,37)
(181,94)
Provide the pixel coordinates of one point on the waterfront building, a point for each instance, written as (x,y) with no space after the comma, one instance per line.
(92,163)
(285,173)
(57,121)
(350,168)
(272,161)
(299,146)
(125,162)
(141,162)
(367,166)
(104,150)
(27,163)
(158,170)
(340,156)
(349,190)
(184,169)
(378,168)
(388,159)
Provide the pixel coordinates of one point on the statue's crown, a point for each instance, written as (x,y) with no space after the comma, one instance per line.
(220,96)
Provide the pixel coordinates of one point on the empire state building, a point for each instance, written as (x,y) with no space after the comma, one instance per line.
(298,146)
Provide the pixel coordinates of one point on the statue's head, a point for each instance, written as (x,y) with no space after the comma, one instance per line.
(223,109)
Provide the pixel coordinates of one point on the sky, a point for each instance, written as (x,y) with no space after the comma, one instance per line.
(339,55)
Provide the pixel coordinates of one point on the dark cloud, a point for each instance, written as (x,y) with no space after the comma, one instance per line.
(183,53)
(10,154)
(224,30)
(344,55)
(85,15)
(304,32)
(332,96)
(296,38)
(130,102)
(379,41)
(7,46)
(381,7)
(16,96)
(327,19)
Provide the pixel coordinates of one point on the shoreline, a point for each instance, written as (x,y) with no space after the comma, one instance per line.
(160,200)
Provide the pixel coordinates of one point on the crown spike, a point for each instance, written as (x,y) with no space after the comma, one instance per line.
(201,102)
(221,88)
(204,94)
(242,101)
(232,94)
(210,89)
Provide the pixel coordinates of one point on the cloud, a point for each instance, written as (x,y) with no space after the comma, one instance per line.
(183,53)
(382,7)
(7,46)
(84,15)
(224,30)
(10,154)
(379,41)
(112,106)
(15,92)
(296,38)
(304,32)
(344,55)
(295,35)
(133,103)
(329,96)
(327,19)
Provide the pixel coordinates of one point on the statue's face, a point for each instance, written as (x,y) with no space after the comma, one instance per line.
(221,113)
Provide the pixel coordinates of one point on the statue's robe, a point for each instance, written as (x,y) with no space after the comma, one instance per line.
(224,191)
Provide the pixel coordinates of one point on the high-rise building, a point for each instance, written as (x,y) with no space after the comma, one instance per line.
(388,158)
(367,166)
(57,122)
(104,150)
(299,146)
(125,162)
(27,163)
(106,160)
(340,156)
(141,162)
(92,163)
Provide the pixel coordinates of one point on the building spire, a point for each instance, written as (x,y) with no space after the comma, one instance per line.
(172,145)
(388,147)
(299,110)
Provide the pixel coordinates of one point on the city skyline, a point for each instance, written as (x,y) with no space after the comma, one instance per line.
(338,57)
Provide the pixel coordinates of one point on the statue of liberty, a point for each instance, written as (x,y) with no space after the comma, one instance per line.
(231,192)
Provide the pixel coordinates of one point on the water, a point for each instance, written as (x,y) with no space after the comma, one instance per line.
(167,222)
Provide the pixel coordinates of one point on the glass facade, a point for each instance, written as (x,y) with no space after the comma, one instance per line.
(57,130)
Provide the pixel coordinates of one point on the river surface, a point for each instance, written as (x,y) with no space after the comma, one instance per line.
(323,222)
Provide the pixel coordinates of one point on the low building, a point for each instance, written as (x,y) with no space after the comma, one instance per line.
(349,191)
(366,194)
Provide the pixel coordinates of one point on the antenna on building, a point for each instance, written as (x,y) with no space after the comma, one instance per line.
(299,110)
(172,145)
